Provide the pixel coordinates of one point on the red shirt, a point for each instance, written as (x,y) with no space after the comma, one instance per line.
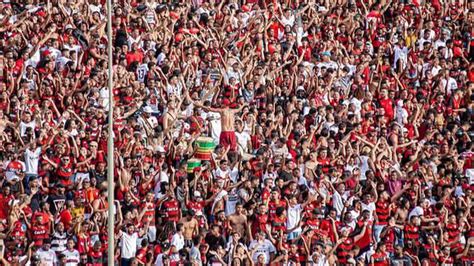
(83,244)
(136,56)
(66,218)
(39,233)
(365,240)
(272,206)
(4,206)
(382,209)
(170,210)
(380,259)
(387,105)
(343,250)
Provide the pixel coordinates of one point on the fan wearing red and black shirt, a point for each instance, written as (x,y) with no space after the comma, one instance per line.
(148,208)
(260,219)
(366,238)
(445,258)
(329,225)
(5,198)
(278,222)
(412,230)
(275,202)
(467,256)
(432,249)
(380,257)
(39,230)
(382,213)
(169,208)
(96,255)
(345,243)
(388,234)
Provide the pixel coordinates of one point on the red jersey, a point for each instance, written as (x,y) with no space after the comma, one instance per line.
(96,258)
(272,206)
(343,250)
(445,261)
(387,105)
(39,233)
(453,231)
(259,223)
(278,223)
(170,210)
(150,211)
(380,259)
(412,232)
(5,206)
(83,244)
(382,209)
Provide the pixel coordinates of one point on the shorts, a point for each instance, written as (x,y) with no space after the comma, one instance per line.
(228,139)
(188,243)
(151,233)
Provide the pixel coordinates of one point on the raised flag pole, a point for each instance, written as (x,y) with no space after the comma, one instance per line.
(110,144)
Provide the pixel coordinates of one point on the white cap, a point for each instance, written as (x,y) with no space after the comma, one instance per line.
(147,109)
(160,149)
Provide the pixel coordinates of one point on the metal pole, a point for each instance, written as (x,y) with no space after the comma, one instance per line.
(110,144)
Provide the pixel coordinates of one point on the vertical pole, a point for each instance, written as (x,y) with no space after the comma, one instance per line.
(110,144)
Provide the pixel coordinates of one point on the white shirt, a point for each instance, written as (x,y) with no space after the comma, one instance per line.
(452,85)
(439,43)
(294,217)
(104,98)
(129,245)
(221,173)
(215,126)
(288,21)
(243,139)
(370,207)
(264,249)
(72,257)
(435,70)
(159,260)
(337,202)
(174,89)
(322,261)
(231,202)
(47,257)
(178,241)
(142,70)
(363,163)
(401,53)
(417,211)
(24,126)
(31,160)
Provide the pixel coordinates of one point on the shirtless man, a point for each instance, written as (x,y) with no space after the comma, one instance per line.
(190,227)
(171,116)
(227,137)
(4,122)
(238,220)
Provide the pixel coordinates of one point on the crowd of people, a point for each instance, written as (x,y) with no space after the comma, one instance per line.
(246,132)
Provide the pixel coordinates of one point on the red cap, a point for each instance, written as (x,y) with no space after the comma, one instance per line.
(271,48)
(226,102)
(174,15)
(46,53)
(41,13)
(178,37)
(245,8)
(457,52)
(194,30)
